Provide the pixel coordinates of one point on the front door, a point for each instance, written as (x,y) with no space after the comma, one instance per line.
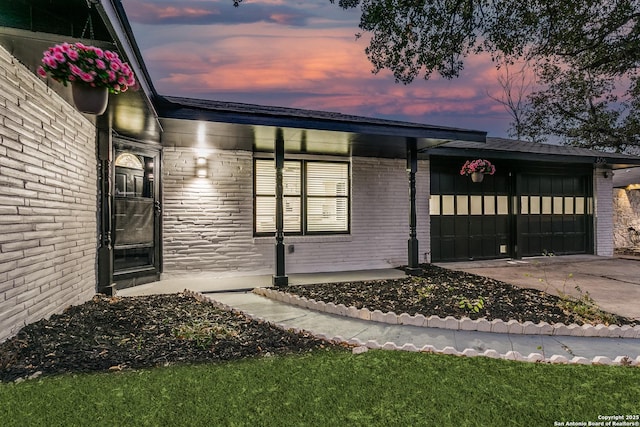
(136,217)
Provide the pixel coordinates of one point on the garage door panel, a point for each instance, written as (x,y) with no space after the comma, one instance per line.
(534,208)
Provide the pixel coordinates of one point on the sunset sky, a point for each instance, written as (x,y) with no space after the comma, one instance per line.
(299,54)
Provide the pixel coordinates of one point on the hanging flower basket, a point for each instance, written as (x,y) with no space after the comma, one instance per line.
(477,169)
(90,100)
(477,176)
(86,68)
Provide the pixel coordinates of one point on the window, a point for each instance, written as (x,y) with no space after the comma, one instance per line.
(315,197)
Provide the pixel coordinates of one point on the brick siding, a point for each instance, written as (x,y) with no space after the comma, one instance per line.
(208,223)
(603,215)
(48,199)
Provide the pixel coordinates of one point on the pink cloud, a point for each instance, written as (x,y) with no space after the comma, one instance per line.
(146,12)
(312,68)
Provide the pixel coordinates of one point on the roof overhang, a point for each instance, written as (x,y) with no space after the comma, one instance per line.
(499,148)
(211,124)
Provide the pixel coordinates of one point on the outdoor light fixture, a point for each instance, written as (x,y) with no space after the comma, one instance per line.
(201,167)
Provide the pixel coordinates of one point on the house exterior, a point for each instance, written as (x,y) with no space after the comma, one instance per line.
(163,187)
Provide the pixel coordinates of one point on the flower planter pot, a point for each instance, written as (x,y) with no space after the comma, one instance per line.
(477,176)
(90,100)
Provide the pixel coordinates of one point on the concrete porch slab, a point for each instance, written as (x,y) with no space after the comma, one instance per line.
(212,283)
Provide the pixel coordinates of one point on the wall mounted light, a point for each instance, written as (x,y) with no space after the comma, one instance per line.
(201,167)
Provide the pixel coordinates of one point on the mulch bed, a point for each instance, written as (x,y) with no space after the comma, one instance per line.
(114,333)
(442,292)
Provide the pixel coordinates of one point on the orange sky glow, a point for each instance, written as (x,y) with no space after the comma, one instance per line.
(300,55)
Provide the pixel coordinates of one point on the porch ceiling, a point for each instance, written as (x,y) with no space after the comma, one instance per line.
(202,124)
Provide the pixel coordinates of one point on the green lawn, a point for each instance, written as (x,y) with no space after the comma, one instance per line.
(329,388)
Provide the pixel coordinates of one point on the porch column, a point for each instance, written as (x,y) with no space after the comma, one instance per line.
(105,250)
(412,168)
(279,279)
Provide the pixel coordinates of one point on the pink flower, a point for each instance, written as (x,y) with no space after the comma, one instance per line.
(75,70)
(59,56)
(50,62)
(77,62)
(73,54)
(479,165)
(87,77)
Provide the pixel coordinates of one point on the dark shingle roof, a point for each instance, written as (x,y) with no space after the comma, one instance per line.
(511,148)
(233,112)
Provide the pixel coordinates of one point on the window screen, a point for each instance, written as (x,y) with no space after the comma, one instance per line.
(315,196)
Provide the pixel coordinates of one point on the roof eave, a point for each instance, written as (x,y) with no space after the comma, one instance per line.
(172,110)
(115,18)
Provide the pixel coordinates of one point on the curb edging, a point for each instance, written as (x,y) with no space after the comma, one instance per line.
(359,346)
(450,322)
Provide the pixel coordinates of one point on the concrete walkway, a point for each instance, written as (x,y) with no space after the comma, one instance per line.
(212,283)
(349,328)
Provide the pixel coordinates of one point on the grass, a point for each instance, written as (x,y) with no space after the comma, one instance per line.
(327,388)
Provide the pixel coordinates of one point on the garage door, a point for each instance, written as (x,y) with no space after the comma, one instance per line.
(468,220)
(525,209)
(554,214)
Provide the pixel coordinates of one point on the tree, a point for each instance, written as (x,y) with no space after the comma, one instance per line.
(584,108)
(515,86)
(567,41)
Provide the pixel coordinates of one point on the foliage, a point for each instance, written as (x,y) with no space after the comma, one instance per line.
(327,388)
(585,56)
(478,165)
(425,292)
(203,332)
(472,306)
(86,64)
(585,307)
(584,108)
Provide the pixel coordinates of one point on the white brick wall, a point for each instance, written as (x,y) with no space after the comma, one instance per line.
(47,200)
(208,223)
(603,214)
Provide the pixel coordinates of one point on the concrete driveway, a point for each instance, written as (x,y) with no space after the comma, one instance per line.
(614,283)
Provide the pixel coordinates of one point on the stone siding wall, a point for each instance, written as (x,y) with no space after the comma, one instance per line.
(48,196)
(626,213)
(208,223)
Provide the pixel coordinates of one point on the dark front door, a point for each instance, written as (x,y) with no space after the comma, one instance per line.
(136,217)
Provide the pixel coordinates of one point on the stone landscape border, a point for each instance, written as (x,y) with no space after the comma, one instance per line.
(450,322)
(358,346)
